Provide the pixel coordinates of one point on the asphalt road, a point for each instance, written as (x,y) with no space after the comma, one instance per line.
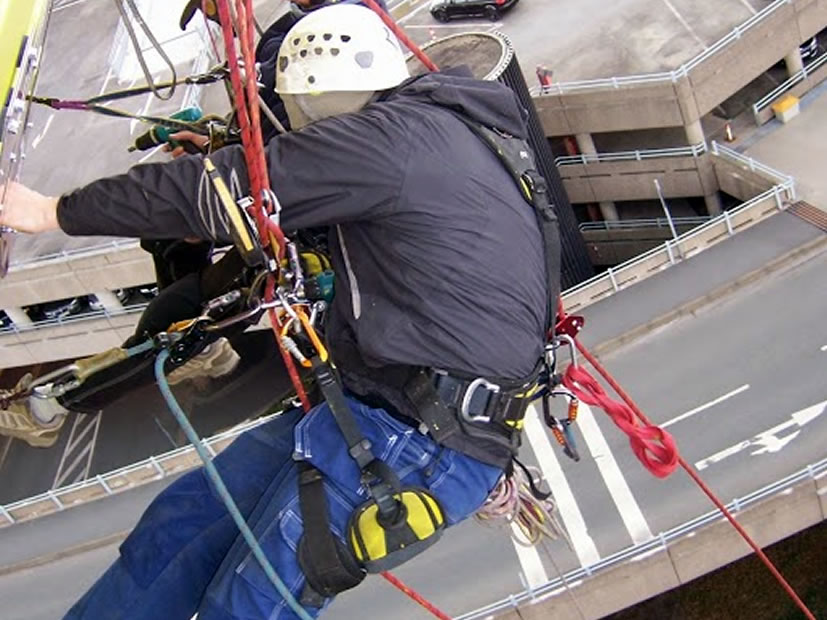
(739,384)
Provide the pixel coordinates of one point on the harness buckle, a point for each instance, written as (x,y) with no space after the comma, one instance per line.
(469,394)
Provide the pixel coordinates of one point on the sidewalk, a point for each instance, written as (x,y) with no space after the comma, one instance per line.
(798,148)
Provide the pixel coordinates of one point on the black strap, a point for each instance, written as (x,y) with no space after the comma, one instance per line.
(326,562)
(380,480)
(518,158)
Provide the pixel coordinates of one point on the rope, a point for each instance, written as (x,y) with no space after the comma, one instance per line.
(512,502)
(127,22)
(632,406)
(413,594)
(223,492)
(400,34)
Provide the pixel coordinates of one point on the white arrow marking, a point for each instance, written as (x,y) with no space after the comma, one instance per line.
(768,442)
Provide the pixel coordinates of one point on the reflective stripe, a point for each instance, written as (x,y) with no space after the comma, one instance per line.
(355,297)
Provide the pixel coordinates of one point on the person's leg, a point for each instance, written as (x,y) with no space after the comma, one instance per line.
(240,588)
(172,554)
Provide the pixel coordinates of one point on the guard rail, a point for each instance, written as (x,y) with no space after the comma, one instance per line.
(768,99)
(736,33)
(695,150)
(656,222)
(660,542)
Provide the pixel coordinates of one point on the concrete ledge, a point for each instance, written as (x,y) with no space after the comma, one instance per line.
(697,553)
(76,276)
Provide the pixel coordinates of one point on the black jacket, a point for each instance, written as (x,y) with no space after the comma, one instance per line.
(439,260)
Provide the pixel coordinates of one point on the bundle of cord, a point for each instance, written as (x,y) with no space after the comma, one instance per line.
(511,502)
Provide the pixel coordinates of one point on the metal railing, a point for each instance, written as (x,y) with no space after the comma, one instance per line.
(75,318)
(615,275)
(659,543)
(118,480)
(755,166)
(768,99)
(655,222)
(101,248)
(683,70)
(695,150)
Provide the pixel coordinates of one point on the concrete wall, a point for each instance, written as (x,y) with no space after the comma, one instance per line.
(608,248)
(804,86)
(681,561)
(75,276)
(738,180)
(617,107)
(634,180)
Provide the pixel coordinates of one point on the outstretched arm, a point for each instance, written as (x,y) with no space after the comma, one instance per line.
(338,170)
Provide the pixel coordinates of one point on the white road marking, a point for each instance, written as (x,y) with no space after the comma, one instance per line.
(627,506)
(68,5)
(533,571)
(134,122)
(824,348)
(39,137)
(749,7)
(435,26)
(768,441)
(414,12)
(151,153)
(583,544)
(685,24)
(106,81)
(706,406)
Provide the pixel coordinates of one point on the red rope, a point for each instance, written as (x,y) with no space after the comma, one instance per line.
(393,579)
(251,138)
(653,446)
(400,34)
(631,405)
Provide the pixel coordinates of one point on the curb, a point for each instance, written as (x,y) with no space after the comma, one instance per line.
(48,558)
(793,258)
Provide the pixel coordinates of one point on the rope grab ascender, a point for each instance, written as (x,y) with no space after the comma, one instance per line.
(396,522)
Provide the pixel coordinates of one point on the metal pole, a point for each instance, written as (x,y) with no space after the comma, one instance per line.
(666,210)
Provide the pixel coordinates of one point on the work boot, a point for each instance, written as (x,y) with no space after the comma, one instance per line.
(37,421)
(217,360)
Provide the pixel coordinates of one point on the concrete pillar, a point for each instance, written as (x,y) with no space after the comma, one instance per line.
(109,301)
(794,62)
(694,133)
(586,145)
(18,316)
(713,204)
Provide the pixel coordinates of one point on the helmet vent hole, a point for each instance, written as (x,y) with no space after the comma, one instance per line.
(283,62)
(318,51)
(364,59)
(296,41)
(311,79)
(334,51)
(345,38)
(327,36)
(303,53)
(310,38)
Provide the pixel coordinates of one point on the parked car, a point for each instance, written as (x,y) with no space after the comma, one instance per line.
(55,310)
(446,10)
(809,49)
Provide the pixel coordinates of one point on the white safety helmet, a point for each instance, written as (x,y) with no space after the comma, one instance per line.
(339,48)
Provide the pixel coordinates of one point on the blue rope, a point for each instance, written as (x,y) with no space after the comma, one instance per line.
(212,472)
(146,345)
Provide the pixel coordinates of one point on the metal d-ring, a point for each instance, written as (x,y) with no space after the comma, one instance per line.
(469,394)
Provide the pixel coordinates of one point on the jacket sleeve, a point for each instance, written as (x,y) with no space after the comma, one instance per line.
(345,168)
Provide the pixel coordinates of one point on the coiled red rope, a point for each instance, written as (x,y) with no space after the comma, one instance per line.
(651,450)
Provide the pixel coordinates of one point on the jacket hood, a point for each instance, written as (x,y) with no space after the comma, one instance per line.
(489,103)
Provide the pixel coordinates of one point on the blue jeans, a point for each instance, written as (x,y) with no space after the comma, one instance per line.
(186,555)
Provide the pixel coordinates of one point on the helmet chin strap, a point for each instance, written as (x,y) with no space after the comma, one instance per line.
(305,109)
